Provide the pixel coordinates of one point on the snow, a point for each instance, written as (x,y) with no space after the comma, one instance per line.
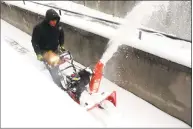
(71,6)
(35,101)
(173,50)
(70,20)
(29,99)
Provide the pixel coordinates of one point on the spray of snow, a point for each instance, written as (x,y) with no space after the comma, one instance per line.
(132,21)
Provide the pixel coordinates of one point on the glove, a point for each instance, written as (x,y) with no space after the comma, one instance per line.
(39,57)
(62,48)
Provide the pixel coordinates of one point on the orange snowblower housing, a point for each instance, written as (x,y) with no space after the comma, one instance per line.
(51,58)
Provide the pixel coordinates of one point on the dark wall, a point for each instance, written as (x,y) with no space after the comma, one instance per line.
(164,84)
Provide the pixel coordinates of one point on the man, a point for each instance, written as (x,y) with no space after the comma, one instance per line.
(48,35)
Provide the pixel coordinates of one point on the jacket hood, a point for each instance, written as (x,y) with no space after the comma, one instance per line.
(52,14)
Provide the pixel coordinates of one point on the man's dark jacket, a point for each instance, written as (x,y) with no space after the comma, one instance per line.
(46,37)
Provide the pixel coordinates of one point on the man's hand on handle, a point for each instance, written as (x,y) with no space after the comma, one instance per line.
(39,57)
(62,48)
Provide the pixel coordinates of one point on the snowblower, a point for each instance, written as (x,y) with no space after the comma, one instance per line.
(81,84)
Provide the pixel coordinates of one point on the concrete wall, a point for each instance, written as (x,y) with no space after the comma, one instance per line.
(176,21)
(164,84)
(116,8)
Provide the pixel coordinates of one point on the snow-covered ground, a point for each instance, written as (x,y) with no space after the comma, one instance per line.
(30,98)
(173,50)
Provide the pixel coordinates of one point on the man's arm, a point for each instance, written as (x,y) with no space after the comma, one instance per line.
(35,40)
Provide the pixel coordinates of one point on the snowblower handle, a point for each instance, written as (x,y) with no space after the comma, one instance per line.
(64,53)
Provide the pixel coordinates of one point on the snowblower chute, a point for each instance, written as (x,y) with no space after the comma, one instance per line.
(96,78)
